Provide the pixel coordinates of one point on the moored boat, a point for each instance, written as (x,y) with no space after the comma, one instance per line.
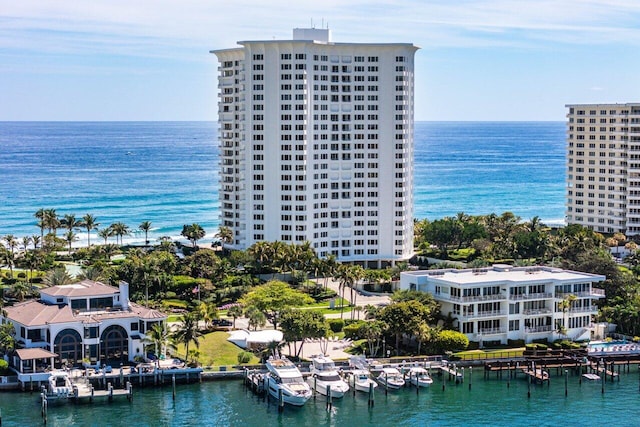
(324,375)
(390,378)
(284,377)
(419,377)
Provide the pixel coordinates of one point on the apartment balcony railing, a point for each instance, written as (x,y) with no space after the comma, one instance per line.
(492,331)
(537,329)
(594,292)
(476,298)
(583,309)
(521,297)
(482,314)
(532,312)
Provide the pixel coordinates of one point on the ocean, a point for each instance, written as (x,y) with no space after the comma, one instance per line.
(167,172)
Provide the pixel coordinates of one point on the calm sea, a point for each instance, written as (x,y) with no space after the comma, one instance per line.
(166,172)
(489,403)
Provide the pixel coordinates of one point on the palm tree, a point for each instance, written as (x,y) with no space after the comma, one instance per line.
(225,234)
(188,332)
(89,222)
(120,229)
(565,306)
(70,237)
(235,311)
(40,216)
(92,272)
(32,260)
(20,290)
(51,220)
(145,226)
(36,240)
(105,233)
(70,222)
(25,243)
(12,243)
(57,277)
(193,233)
(160,338)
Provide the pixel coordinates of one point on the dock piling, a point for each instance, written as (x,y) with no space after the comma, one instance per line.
(329,401)
(470,376)
(371,400)
(173,386)
(110,390)
(566,379)
(280,400)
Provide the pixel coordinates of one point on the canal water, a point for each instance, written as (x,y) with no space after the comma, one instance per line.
(491,402)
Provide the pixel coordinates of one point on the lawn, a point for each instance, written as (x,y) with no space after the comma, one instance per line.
(216,350)
(490,354)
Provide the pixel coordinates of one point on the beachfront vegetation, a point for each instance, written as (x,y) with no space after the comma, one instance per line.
(270,279)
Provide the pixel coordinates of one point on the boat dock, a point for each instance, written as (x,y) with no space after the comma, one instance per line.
(536,375)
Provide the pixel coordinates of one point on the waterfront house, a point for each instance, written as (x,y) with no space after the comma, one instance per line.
(86,322)
(502,302)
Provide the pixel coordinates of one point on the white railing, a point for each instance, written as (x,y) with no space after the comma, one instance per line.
(492,331)
(537,329)
(476,298)
(536,311)
(543,295)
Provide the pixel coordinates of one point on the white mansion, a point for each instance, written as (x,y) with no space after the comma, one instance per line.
(316,144)
(86,320)
(502,302)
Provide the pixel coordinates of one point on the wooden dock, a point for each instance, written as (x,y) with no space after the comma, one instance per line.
(537,376)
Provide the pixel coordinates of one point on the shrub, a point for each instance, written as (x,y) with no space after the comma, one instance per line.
(4,367)
(353,330)
(516,343)
(336,325)
(244,357)
(448,340)
(22,275)
(368,287)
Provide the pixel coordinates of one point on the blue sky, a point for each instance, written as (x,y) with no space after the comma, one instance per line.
(479,60)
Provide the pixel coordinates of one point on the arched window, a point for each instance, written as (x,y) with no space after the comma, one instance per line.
(114,345)
(68,346)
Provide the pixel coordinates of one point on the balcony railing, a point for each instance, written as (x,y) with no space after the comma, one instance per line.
(476,298)
(583,309)
(520,297)
(537,329)
(536,311)
(492,331)
(594,292)
(480,314)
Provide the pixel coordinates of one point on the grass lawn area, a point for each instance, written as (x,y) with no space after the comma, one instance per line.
(327,310)
(324,304)
(216,350)
(490,354)
(174,318)
(176,303)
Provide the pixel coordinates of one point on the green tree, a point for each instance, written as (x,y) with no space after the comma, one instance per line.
(120,229)
(188,332)
(257,318)
(145,226)
(105,233)
(235,311)
(372,332)
(89,223)
(273,297)
(403,318)
(193,233)
(70,237)
(449,341)
(160,339)
(57,277)
(298,325)
(7,340)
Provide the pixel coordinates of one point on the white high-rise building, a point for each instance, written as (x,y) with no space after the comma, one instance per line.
(603,167)
(316,144)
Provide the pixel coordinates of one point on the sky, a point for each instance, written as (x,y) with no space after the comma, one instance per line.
(479,59)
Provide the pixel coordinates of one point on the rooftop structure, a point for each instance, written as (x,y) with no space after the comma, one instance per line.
(502,302)
(603,167)
(316,144)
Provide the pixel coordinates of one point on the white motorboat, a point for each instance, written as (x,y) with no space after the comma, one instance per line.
(390,378)
(420,377)
(60,386)
(360,380)
(324,375)
(284,375)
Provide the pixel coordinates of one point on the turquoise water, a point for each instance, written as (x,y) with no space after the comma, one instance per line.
(167,172)
(227,403)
